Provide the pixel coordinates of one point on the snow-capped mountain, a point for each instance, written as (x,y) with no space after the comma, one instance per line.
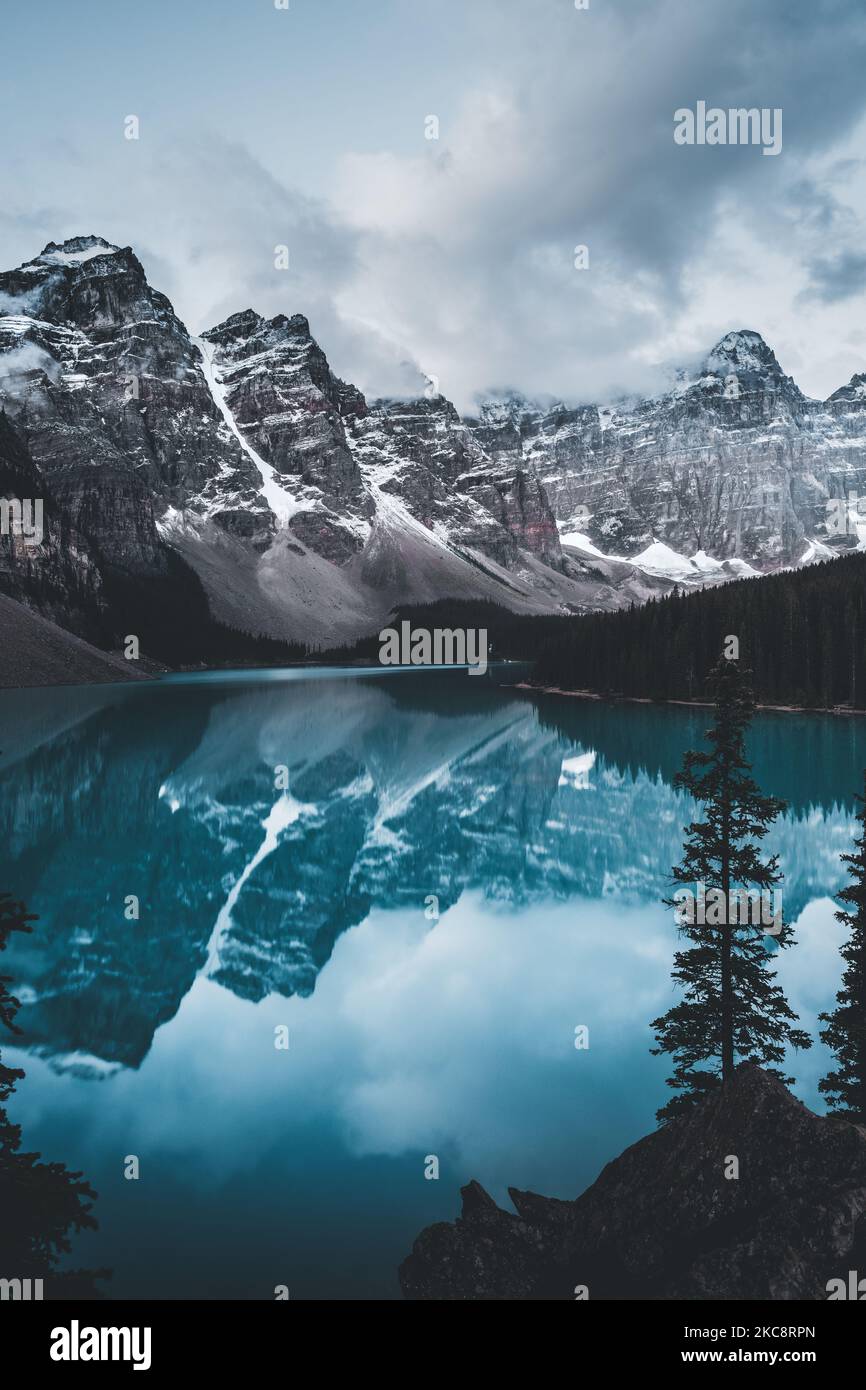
(307,512)
(731,469)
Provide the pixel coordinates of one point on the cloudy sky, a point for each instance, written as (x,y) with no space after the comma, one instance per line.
(306,127)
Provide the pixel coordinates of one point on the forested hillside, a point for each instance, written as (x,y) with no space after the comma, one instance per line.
(802,632)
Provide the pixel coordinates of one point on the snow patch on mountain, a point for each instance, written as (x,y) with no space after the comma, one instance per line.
(575,771)
(279,499)
(283,814)
(75,257)
(661,561)
(659,558)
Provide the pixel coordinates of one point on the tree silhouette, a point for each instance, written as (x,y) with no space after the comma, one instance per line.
(41,1203)
(845,1033)
(731,1007)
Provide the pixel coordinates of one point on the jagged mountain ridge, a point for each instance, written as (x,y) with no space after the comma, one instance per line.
(308,512)
(732,462)
(304,512)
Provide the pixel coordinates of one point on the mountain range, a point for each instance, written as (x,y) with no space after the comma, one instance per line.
(235,473)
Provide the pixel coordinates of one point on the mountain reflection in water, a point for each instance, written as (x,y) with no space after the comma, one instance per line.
(542,831)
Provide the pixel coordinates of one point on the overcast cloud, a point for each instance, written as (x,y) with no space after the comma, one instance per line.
(455,256)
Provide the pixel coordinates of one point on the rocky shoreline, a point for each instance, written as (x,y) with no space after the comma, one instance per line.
(683,704)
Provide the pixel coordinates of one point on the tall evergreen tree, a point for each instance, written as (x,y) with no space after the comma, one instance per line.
(731,1006)
(40,1203)
(845,1033)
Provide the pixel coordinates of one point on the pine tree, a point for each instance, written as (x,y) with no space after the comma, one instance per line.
(846,1025)
(40,1202)
(13,917)
(731,1008)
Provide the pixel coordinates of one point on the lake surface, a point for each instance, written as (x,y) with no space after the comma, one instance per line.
(543,829)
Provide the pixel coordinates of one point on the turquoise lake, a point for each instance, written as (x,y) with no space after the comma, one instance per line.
(541,828)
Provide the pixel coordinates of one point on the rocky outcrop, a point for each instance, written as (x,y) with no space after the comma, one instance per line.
(286,401)
(520,505)
(663,1220)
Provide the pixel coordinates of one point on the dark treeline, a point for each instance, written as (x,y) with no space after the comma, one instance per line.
(801,632)
(510,636)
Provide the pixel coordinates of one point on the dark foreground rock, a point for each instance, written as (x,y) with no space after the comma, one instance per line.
(663,1221)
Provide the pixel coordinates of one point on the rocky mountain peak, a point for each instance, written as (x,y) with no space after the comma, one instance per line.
(151,439)
(420,409)
(743,351)
(88,283)
(240,325)
(852,393)
(247,333)
(286,401)
(502,409)
(247,321)
(75,250)
(297,324)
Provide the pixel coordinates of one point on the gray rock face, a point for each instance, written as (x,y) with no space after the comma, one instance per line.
(286,402)
(105,389)
(662,1221)
(734,461)
(520,504)
(58,575)
(342,455)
